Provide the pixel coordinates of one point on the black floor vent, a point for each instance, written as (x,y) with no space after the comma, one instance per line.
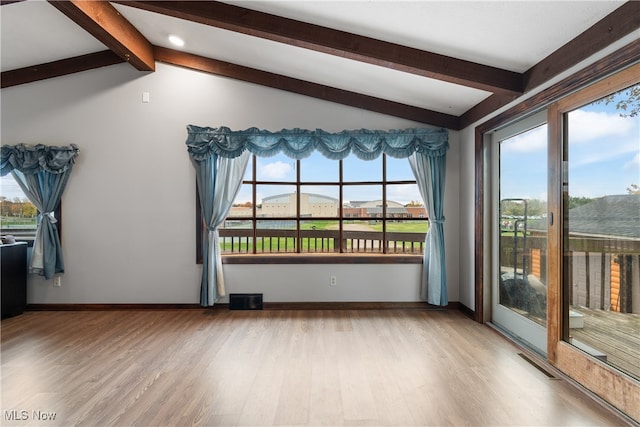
(538,367)
(245,301)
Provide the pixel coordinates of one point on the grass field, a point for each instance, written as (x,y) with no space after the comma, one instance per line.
(17,222)
(288,244)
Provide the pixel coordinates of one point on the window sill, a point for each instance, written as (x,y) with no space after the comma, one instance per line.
(322,259)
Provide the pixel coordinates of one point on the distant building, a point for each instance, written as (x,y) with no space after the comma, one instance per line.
(313,205)
(373,209)
(318,205)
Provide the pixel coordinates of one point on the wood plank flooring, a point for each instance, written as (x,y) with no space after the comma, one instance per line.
(275,368)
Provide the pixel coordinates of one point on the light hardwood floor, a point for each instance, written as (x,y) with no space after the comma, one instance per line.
(267,368)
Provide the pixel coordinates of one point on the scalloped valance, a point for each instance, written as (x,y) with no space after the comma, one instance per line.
(31,159)
(203,142)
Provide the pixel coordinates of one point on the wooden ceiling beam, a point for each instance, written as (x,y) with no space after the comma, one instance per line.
(339,43)
(618,24)
(613,27)
(289,84)
(105,23)
(59,68)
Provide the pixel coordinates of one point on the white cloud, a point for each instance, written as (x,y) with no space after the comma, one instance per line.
(633,163)
(590,125)
(403,193)
(276,170)
(597,152)
(533,140)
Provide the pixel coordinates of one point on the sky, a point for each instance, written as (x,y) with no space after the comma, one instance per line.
(9,188)
(317,168)
(604,156)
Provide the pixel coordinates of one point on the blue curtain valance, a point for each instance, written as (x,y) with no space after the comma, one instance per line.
(31,159)
(203,142)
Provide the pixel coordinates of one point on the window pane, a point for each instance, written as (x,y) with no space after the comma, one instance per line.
(356,170)
(362,201)
(399,170)
(276,236)
(320,236)
(362,235)
(522,224)
(404,195)
(405,236)
(242,204)
(601,234)
(18,216)
(278,168)
(236,236)
(319,201)
(276,201)
(317,168)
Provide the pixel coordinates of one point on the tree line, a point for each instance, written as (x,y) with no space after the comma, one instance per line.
(21,208)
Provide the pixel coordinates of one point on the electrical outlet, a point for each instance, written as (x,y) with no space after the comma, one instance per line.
(57,281)
(332,280)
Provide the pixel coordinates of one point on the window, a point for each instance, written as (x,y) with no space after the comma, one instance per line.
(18,216)
(317,205)
(601,233)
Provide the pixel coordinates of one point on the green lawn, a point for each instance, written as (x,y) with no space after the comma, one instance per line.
(403,227)
(288,244)
(17,222)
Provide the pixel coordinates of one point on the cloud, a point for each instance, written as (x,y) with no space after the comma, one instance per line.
(276,170)
(633,163)
(590,125)
(587,154)
(584,126)
(527,142)
(404,193)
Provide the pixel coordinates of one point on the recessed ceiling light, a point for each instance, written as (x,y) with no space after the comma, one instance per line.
(177,41)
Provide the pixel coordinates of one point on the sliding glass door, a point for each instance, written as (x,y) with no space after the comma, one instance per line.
(594,238)
(519,291)
(601,232)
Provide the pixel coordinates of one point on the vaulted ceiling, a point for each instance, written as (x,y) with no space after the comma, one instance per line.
(445,63)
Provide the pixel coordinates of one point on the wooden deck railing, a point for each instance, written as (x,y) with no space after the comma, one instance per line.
(239,241)
(600,272)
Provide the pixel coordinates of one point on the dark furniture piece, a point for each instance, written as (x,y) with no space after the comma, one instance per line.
(14,278)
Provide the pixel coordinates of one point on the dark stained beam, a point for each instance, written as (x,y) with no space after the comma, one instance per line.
(58,68)
(484,108)
(611,28)
(618,24)
(339,43)
(105,23)
(277,81)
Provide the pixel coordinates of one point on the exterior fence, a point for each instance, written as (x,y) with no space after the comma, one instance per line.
(239,241)
(604,273)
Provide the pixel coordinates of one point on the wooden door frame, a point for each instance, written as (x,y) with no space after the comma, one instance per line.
(612,63)
(619,389)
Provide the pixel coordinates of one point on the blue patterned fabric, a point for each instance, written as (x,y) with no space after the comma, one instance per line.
(365,144)
(430,176)
(42,172)
(219,181)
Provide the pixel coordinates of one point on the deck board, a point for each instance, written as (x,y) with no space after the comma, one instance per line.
(615,334)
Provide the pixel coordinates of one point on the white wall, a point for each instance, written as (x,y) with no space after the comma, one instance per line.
(467,220)
(128,211)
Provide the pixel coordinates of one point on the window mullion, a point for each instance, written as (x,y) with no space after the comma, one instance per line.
(384,203)
(254,196)
(341,204)
(298,207)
